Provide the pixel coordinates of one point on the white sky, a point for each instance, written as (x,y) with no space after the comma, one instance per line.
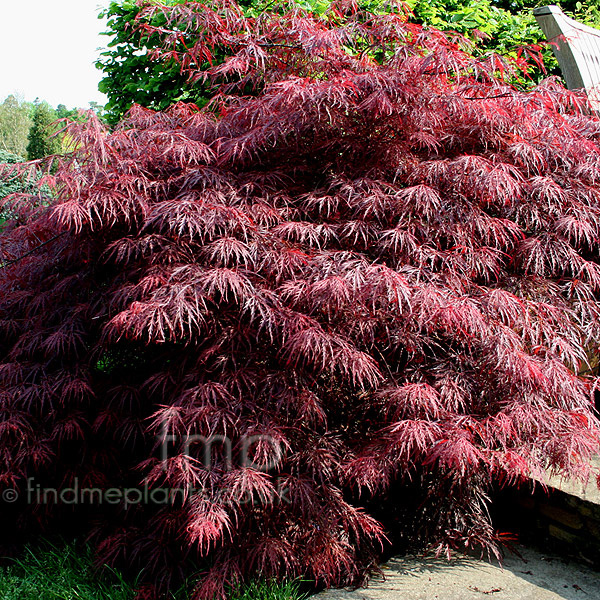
(48,49)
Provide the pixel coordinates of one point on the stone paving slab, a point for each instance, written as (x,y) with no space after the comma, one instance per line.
(535,576)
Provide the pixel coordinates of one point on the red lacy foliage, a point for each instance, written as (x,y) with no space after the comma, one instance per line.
(385,258)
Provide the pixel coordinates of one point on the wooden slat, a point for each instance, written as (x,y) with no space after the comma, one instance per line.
(576,47)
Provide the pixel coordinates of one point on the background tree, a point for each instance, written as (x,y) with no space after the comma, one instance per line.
(42,138)
(15,122)
(382,266)
(130,77)
(62,112)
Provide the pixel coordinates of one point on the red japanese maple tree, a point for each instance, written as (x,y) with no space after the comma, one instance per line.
(369,260)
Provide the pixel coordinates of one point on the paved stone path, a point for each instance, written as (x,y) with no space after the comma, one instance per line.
(534,577)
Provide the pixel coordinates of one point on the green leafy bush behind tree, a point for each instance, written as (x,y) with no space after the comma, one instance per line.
(587,12)
(503,29)
(130,76)
(10,181)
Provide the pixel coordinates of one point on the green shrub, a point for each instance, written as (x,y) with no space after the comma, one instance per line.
(9,181)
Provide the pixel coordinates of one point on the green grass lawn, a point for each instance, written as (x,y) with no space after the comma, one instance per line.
(50,572)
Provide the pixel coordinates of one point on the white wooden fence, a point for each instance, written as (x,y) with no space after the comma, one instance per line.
(577,49)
